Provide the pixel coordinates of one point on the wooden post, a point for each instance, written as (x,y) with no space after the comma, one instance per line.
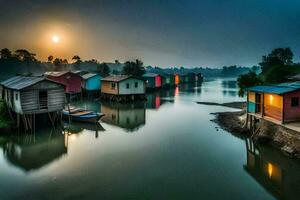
(263,105)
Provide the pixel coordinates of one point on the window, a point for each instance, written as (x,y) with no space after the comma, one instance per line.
(127,85)
(136,84)
(113,86)
(295,101)
(17,96)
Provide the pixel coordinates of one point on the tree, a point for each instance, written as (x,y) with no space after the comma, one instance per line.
(248,80)
(134,68)
(50,58)
(77,61)
(24,55)
(5,53)
(279,57)
(57,64)
(103,69)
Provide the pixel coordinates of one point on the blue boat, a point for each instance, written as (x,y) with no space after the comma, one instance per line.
(80,115)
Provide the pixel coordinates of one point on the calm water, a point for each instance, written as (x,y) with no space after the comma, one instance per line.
(166,148)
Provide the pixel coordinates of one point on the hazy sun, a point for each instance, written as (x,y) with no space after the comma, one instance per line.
(55,39)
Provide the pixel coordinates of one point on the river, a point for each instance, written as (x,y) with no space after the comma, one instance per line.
(166,148)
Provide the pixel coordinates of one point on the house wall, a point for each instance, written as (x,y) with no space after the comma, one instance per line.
(29,97)
(72,81)
(17,102)
(158,81)
(177,79)
(93,83)
(291,113)
(273,105)
(106,87)
(123,90)
(150,82)
(251,102)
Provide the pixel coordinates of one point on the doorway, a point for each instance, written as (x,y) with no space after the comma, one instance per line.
(43,99)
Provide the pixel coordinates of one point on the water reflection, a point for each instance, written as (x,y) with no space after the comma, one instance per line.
(278,175)
(129,116)
(33,151)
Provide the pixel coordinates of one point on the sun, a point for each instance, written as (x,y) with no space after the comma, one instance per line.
(55,39)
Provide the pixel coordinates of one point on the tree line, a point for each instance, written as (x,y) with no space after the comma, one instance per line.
(25,62)
(276,67)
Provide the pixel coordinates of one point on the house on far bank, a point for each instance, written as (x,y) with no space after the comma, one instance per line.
(153,81)
(122,88)
(167,80)
(91,82)
(177,79)
(184,78)
(278,103)
(71,80)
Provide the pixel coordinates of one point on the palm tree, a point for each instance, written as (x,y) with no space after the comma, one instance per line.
(50,58)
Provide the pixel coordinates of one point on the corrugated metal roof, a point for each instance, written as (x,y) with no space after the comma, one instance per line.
(116,78)
(150,75)
(56,74)
(21,82)
(276,89)
(88,75)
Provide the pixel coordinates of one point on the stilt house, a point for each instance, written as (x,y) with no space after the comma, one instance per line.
(153,81)
(275,102)
(122,87)
(33,95)
(72,81)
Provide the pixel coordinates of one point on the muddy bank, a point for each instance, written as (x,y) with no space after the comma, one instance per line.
(280,137)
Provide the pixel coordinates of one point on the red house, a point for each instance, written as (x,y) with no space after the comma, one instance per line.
(71,80)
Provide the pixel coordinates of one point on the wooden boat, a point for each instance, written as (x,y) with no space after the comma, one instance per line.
(81,115)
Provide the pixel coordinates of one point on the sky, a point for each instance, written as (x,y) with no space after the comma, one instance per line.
(165,33)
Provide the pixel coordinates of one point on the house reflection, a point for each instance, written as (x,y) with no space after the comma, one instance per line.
(33,151)
(130,116)
(274,172)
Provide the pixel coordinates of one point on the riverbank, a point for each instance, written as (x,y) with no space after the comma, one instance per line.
(288,141)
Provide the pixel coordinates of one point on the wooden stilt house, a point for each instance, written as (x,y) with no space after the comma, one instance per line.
(28,96)
(122,88)
(153,81)
(72,81)
(275,102)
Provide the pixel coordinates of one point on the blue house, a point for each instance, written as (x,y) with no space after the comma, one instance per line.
(91,82)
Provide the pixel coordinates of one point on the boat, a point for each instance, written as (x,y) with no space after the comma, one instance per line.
(81,115)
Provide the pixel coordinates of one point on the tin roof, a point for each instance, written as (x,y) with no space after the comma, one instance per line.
(21,82)
(88,75)
(150,75)
(56,74)
(276,89)
(116,78)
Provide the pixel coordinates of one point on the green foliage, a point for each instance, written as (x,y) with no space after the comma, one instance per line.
(103,69)
(4,116)
(276,67)
(248,80)
(279,57)
(134,68)
(278,74)
(233,71)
